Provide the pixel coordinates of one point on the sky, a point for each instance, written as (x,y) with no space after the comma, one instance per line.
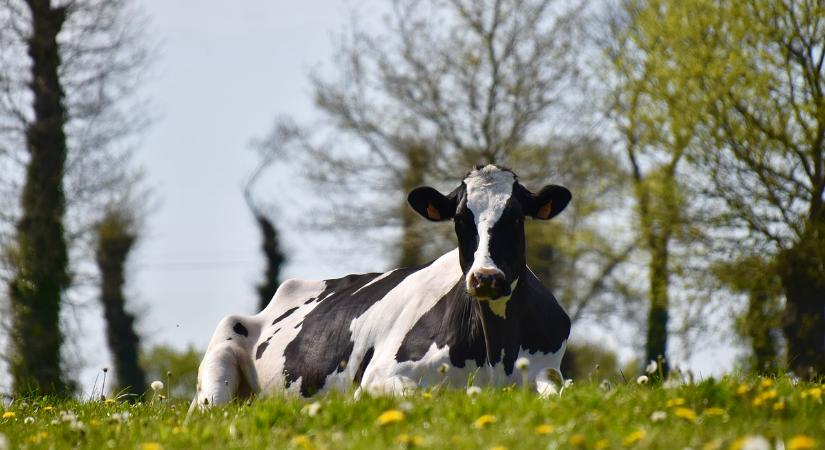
(225,70)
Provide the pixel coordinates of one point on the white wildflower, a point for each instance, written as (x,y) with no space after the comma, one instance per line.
(233,431)
(605,385)
(405,406)
(658,416)
(157,385)
(443,368)
(77,426)
(651,367)
(522,364)
(312,409)
(28,420)
(755,443)
(68,416)
(642,379)
(472,391)
(121,417)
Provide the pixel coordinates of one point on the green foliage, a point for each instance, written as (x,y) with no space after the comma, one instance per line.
(737,86)
(162,360)
(711,414)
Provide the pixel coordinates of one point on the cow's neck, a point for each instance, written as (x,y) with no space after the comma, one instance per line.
(493,329)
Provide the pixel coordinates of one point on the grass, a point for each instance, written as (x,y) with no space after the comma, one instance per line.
(714,414)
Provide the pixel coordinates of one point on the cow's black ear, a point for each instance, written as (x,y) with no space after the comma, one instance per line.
(431,204)
(549,202)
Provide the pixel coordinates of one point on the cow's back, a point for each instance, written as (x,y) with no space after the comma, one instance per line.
(317,335)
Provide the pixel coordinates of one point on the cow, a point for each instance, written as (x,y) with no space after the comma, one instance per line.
(472,312)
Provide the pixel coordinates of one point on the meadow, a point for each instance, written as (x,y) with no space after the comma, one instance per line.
(728,413)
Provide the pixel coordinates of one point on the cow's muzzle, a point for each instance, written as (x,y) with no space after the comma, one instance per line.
(487,283)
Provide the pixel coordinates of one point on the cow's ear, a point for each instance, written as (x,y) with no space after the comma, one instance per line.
(431,204)
(549,202)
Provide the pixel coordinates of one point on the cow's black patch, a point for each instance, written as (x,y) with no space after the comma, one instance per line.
(359,374)
(535,322)
(298,325)
(284,315)
(325,339)
(261,348)
(240,329)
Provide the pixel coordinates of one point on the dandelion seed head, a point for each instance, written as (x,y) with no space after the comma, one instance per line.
(472,391)
(157,385)
(651,367)
(522,364)
(642,379)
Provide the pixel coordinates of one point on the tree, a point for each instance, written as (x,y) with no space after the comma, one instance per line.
(446,86)
(117,235)
(68,109)
(750,78)
(655,132)
(761,323)
(270,245)
(41,255)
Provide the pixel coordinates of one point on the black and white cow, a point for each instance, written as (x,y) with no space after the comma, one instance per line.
(476,309)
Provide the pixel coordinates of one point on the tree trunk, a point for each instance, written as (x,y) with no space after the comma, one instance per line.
(801,270)
(412,240)
(657,319)
(40,255)
(115,241)
(274,259)
(760,324)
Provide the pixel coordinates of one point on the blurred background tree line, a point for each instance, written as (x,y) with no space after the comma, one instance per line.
(691,133)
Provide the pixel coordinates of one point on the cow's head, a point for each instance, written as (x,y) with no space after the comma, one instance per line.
(488,210)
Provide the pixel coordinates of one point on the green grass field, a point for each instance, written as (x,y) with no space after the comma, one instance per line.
(710,415)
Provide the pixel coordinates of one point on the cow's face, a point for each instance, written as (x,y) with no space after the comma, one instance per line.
(489,210)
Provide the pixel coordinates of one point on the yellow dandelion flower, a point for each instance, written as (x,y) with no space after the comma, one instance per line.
(814,393)
(483,421)
(498,447)
(38,437)
(685,413)
(743,389)
(48,408)
(300,441)
(766,383)
(427,395)
(635,437)
(409,440)
(601,444)
(109,401)
(678,401)
(714,411)
(577,440)
(544,429)
(801,442)
(151,446)
(9,415)
(715,444)
(390,416)
(176,430)
(779,406)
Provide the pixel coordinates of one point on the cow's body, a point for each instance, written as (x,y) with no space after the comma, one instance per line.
(387,333)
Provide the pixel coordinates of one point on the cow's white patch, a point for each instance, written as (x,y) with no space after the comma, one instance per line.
(488,190)
(385,324)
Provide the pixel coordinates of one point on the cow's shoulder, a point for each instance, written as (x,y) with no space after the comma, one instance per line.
(546,325)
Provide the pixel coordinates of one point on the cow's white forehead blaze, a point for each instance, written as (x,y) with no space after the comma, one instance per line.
(488,190)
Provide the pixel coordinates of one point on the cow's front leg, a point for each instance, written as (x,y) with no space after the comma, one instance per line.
(226,372)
